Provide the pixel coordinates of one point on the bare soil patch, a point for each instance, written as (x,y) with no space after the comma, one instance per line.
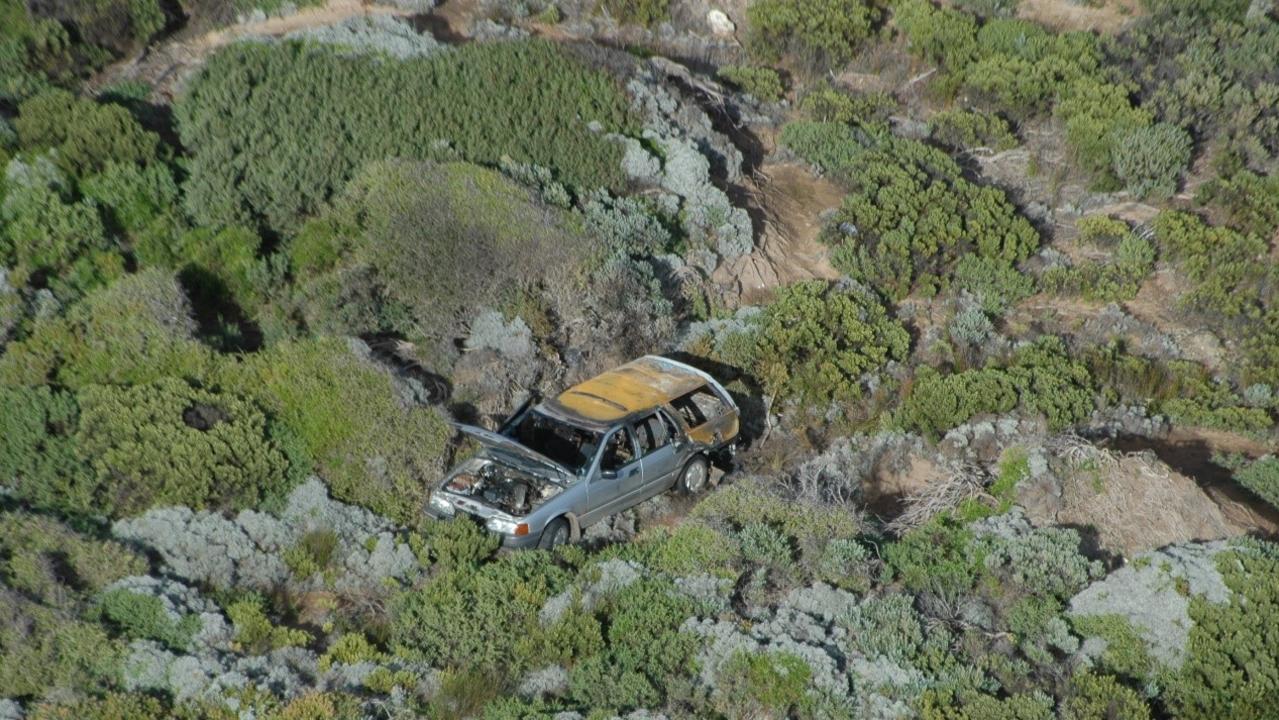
(1109,18)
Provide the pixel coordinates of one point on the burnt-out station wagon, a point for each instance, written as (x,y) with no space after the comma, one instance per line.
(600,447)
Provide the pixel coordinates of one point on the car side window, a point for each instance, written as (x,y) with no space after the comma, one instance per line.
(653,433)
(619,451)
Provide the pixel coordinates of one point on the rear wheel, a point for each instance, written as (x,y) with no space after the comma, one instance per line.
(693,479)
(555,533)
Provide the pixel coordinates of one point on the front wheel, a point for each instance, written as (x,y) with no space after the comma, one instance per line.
(693,479)
(555,533)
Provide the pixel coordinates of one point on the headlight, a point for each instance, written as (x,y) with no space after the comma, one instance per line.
(441,504)
(507,527)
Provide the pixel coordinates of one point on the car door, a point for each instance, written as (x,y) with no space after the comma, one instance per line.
(659,458)
(619,474)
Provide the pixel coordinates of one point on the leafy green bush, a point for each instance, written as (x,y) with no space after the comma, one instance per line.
(1197,67)
(256,111)
(49,237)
(485,238)
(44,650)
(112,706)
(1223,264)
(87,135)
(37,450)
(170,443)
(814,342)
(940,34)
(638,12)
(1149,161)
(1120,278)
(139,616)
(50,563)
(768,684)
(311,554)
(477,618)
(911,214)
(1261,476)
(340,413)
(1040,378)
(1232,669)
(830,105)
(1249,201)
(135,331)
(255,634)
(1100,697)
(967,129)
(995,283)
(762,82)
(817,30)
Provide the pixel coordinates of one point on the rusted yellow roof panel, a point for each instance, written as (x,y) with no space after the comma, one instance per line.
(638,385)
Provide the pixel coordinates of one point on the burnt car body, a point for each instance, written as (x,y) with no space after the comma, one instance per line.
(600,447)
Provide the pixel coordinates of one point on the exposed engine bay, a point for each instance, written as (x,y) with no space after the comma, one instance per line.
(500,486)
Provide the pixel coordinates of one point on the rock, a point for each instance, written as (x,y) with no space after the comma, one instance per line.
(719,23)
(490,330)
(549,680)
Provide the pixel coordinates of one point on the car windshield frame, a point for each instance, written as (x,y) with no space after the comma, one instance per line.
(572,446)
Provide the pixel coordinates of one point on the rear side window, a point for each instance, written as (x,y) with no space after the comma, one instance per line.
(699,406)
(652,433)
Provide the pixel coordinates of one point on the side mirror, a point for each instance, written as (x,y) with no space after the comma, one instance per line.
(608,474)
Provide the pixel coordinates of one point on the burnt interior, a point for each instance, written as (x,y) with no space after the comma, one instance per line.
(698,407)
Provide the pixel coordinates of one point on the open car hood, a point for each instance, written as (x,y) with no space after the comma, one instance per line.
(513,450)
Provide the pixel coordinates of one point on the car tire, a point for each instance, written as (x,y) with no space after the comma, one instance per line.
(695,477)
(556,533)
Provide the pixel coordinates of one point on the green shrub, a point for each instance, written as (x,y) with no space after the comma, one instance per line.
(911,214)
(638,12)
(989,8)
(1232,669)
(169,443)
(255,634)
(37,448)
(995,283)
(312,553)
(1040,378)
(475,618)
(1118,279)
(765,545)
(1261,477)
(113,706)
(940,34)
(87,135)
(459,545)
(644,649)
(762,82)
(46,651)
(1223,264)
(847,564)
(138,616)
(937,557)
(256,111)
(135,331)
(139,201)
(1099,117)
(485,238)
(48,237)
(1149,161)
(1249,201)
(814,342)
(761,685)
(340,412)
(967,130)
(1101,697)
(817,30)
(50,563)
(1125,654)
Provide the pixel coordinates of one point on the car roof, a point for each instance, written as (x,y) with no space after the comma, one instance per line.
(638,386)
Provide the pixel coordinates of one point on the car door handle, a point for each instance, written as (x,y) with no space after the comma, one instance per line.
(632,472)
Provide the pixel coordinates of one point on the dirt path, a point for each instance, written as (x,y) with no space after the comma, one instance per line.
(1107,19)
(793,201)
(167,65)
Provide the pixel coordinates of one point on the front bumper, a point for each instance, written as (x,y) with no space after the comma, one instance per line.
(517,542)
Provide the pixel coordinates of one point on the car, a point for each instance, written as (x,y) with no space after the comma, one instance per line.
(607,444)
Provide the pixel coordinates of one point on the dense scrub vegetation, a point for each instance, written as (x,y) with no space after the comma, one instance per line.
(234,333)
(256,112)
